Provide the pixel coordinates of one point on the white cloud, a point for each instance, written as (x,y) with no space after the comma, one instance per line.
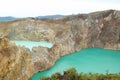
(22,8)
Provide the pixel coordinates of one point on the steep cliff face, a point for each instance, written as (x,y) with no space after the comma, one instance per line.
(98,29)
(68,34)
(15,62)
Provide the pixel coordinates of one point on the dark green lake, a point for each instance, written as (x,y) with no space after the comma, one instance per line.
(95,60)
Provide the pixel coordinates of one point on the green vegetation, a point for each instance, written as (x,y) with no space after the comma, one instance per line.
(71,74)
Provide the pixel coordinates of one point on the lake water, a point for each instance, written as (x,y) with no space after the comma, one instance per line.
(95,60)
(31,44)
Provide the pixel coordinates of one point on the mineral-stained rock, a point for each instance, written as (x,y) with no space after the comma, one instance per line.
(68,34)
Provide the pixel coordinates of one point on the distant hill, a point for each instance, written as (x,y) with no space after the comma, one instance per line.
(8,18)
(49,16)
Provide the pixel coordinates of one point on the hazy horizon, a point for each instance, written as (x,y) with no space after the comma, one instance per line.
(33,8)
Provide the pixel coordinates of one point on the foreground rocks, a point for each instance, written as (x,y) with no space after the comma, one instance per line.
(15,62)
(68,34)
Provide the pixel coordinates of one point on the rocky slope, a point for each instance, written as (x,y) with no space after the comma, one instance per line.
(15,62)
(68,34)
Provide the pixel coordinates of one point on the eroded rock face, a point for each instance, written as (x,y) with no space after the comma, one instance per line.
(15,62)
(68,34)
(105,31)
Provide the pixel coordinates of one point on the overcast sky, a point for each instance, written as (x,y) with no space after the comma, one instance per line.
(32,8)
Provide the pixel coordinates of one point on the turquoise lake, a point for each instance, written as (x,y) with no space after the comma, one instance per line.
(31,44)
(95,60)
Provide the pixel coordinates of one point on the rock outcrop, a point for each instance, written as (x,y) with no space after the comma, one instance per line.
(15,62)
(68,34)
